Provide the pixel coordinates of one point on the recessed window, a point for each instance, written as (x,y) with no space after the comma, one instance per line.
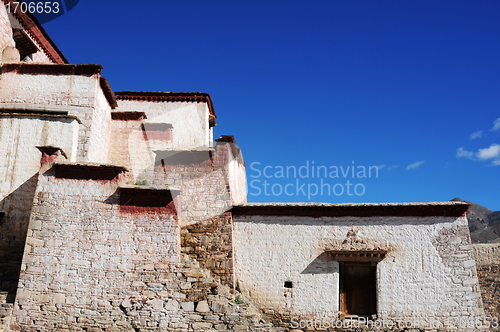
(2,217)
(288,284)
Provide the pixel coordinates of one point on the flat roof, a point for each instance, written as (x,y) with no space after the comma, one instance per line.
(420,209)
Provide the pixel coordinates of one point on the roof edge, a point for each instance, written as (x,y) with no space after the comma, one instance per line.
(154,96)
(51,69)
(108,92)
(424,209)
(38,33)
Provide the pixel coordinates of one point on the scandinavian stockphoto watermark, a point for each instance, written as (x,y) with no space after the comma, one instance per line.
(463,323)
(310,180)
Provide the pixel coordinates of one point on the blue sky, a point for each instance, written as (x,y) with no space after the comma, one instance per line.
(410,86)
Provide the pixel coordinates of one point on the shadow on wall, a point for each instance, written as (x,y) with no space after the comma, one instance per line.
(16,208)
(321,265)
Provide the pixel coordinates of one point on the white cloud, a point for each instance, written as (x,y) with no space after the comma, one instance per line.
(415,165)
(492,152)
(462,153)
(496,125)
(476,134)
(392,167)
(381,166)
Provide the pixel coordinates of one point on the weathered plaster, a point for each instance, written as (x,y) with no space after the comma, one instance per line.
(189,120)
(425,274)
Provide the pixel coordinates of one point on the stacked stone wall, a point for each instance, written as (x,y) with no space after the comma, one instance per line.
(489,279)
(202,177)
(16,210)
(19,165)
(130,149)
(87,262)
(210,243)
(488,269)
(90,266)
(455,250)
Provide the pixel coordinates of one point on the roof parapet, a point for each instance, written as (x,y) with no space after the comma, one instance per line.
(51,69)
(442,209)
(108,93)
(189,97)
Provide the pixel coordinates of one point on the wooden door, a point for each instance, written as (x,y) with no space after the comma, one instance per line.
(358,295)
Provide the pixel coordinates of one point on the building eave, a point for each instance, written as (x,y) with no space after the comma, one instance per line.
(38,33)
(158,97)
(51,69)
(426,209)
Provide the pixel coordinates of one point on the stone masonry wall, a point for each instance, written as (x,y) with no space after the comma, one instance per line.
(130,149)
(19,165)
(488,270)
(487,253)
(89,263)
(203,178)
(53,90)
(489,280)
(210,243)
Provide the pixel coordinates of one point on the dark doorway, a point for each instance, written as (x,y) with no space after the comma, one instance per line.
(358,292)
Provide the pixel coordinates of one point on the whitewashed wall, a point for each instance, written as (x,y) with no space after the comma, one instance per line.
(6,39)
(54,90)
(237,180)
(429,271)
(189,120)
(19,136)
(99,135)
(78,95)
(129,148)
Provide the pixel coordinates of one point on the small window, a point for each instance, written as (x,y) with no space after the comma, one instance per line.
(2,217)
(288,284)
